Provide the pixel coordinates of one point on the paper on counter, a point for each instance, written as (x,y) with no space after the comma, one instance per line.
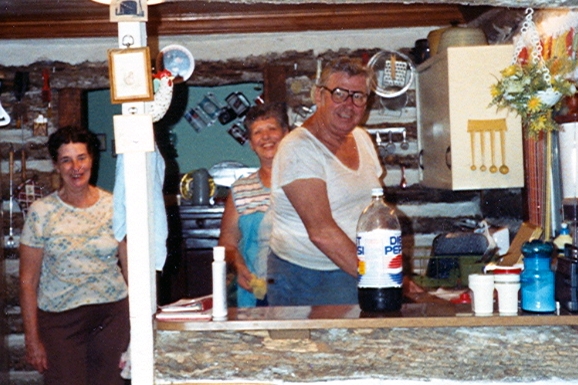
(187,309)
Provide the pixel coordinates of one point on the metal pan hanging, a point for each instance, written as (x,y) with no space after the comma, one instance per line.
(394,73)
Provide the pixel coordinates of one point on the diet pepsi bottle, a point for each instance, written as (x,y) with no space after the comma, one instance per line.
(380,270)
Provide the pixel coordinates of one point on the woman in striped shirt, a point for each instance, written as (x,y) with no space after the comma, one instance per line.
(243,230)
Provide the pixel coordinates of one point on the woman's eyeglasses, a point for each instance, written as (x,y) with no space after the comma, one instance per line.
(340,95)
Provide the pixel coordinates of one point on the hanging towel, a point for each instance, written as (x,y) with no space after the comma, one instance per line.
(156,166)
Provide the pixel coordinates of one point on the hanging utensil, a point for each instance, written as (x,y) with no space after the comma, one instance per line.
(404,144)
(390,147)
(4,117)
(483,151)
(10,243)
(394,73)
(20,86)
(493,167)
(403,181)
(29,190)
(380,147)
(503,168)
(46,92)
(473,149)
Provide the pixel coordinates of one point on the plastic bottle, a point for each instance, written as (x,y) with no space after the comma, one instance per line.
(379,254)
(563,238)
(219,268)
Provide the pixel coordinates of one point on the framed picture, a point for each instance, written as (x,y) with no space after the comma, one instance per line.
(128,10)
(130,75)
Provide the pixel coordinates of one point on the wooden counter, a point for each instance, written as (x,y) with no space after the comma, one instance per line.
(412,315)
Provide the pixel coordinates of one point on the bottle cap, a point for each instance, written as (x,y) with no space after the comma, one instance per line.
(219,253)
(377,191)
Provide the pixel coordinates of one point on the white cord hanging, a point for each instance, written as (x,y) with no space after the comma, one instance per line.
(529,34)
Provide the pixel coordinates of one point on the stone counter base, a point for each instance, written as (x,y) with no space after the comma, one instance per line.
(538,354)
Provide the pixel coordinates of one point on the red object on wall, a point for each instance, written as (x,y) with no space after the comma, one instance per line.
(46,93)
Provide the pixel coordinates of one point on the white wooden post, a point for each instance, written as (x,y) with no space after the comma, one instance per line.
(136,146)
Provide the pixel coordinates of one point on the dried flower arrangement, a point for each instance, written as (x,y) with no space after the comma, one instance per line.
(531,86)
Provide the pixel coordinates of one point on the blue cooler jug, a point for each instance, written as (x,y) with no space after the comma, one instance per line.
(537,279)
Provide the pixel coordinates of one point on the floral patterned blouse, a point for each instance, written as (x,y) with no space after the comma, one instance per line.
(80,254)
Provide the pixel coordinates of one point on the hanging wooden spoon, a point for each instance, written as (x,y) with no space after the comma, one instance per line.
(473,149)
(493,168)
(483,151)
(503,168)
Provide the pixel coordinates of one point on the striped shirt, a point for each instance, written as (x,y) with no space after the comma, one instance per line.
(250,195)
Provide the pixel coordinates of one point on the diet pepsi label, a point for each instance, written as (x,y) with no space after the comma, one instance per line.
(379,259)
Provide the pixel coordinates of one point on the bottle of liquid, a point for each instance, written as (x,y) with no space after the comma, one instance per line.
(219,269)
(379,257)
(563,238)
(537,279)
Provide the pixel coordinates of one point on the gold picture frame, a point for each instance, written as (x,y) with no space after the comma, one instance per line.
(130,75)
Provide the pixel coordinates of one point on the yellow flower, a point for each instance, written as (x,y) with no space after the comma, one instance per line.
(534,104)
(539,124)
(509,71)
(495,91)
(520,85)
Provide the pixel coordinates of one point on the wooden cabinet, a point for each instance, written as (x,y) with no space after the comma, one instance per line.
(464,143)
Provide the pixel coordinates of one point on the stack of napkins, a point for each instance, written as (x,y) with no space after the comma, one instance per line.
(187,309)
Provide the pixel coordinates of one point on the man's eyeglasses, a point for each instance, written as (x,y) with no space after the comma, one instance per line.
(340,95)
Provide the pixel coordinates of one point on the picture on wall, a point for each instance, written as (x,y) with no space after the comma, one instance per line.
(130,75)
(128,10)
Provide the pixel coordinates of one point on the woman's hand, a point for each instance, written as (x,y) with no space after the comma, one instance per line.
(36,355)
(244,276)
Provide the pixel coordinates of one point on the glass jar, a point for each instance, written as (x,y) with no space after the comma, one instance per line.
(537,279)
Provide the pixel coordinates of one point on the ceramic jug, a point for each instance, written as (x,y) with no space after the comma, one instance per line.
(200,188)
(537,279)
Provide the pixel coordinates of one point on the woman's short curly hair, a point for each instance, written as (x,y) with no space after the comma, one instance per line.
(277,110)
(72,134)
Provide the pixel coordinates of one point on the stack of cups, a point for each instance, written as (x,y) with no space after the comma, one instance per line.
(507,284)
(482,287)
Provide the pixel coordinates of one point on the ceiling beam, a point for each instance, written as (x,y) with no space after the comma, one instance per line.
(49,19)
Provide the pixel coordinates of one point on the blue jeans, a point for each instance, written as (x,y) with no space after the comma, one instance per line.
(292,285)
